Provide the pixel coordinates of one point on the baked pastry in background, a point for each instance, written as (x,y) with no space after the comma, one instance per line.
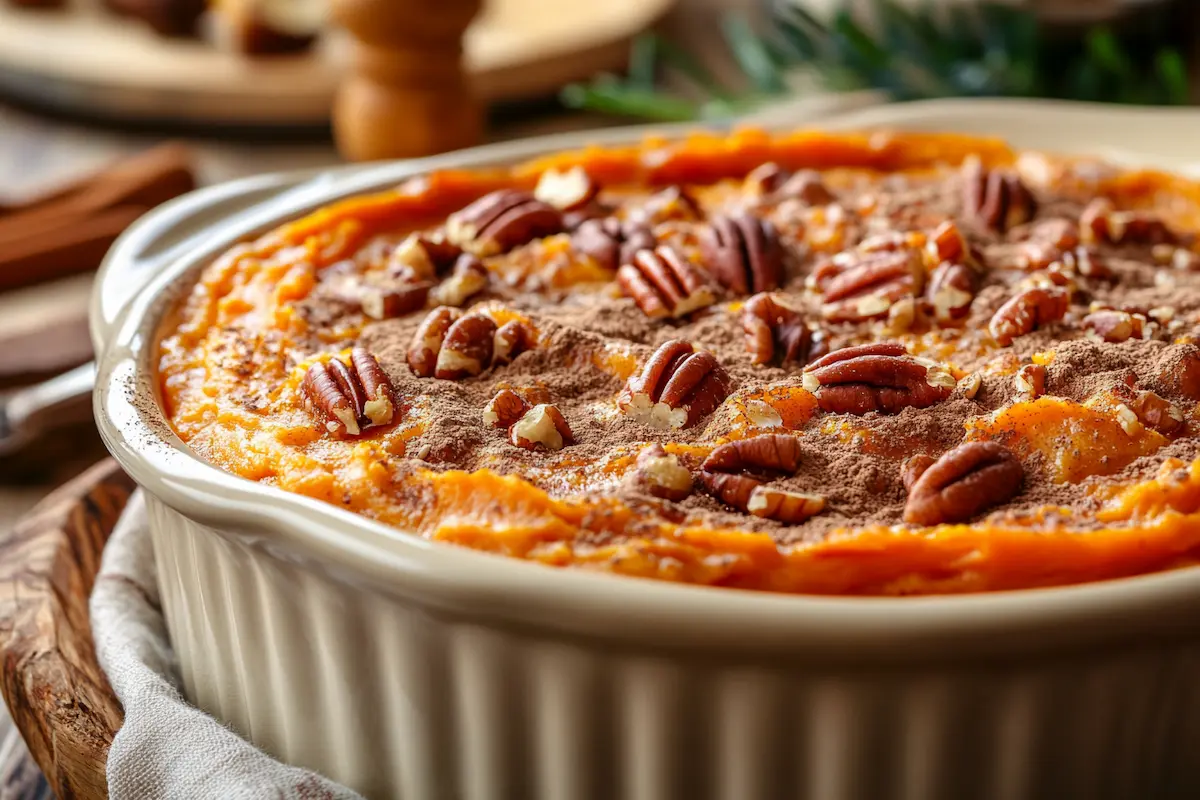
(250,27)
(267,27)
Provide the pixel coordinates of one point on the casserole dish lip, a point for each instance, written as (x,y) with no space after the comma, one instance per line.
(521,593)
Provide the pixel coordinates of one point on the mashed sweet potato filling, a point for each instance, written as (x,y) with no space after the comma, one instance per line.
(1103,495)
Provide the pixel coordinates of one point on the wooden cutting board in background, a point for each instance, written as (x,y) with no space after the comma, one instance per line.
(85,60)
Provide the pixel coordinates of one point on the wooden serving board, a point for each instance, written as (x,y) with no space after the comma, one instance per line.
(59,698)
(88,61)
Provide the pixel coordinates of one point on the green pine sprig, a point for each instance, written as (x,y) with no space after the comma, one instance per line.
(990,49)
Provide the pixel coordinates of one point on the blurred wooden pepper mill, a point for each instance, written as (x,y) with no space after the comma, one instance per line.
(406,93)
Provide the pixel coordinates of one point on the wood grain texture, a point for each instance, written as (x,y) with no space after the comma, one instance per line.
(56,692)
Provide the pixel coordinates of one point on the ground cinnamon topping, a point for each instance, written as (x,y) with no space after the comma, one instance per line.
(1060,332)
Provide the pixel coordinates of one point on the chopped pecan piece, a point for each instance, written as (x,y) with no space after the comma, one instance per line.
(659,473)
(512,338)
(450,345)
(1179,258)
(913,468)
(1058,232)
(963,482)
(427,341)
(673,203)
(1026,312)
(765,179)
(1030,381)
(774,452)
(870,287)
(567,191)
(969,386)
(349,398)
(469,278)
(612,242)
(677,387)
(951,291)
(1148,409)
(503,410)
(947,243)
(743,252)
(384,302)
(772,183)
(776,332)
(664,284)
(808,187)
(1178,371)
(996,198)
(751,495)
(1157,413)
(1101,223)
(876,377)
(502,220)
(542,426)
(1088,263)
(467,348)
(1114,326)
(422,257)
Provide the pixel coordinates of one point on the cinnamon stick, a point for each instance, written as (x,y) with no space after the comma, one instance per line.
(70,229)
(69,244)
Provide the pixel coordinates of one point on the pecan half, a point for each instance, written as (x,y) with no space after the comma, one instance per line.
(503,410)
(776,332)
(677,387)
(502,220)
(995,199)
(752,496)
(743,252)
(774,452)
(963,482)
(951,291)
(612,242)
(542,426)
(660,474)
(349,398)
(1100,222)
(469,278)
(876,377)
(664,284)
(869,288)
(567,191)
(1026,312)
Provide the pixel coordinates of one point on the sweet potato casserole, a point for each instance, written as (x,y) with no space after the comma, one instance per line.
(853,364)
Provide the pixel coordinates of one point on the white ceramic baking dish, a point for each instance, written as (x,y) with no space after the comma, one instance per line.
(405,668)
